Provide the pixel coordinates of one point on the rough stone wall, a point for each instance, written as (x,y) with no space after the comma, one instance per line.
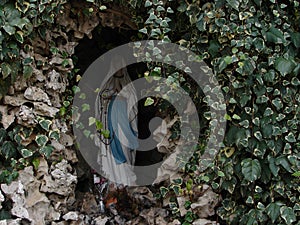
(46,194)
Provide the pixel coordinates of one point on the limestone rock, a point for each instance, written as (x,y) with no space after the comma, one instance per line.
(15,191)
(71,216)
(204,222)
(11,222)
(181,201)
(151,214)
(61,181)
(43,109)
(66,140)
(17,100)
(89,204)
(55,81)
(43,168)
(142,196)
(101,220)
(28,202)
(20,84)
(175,222)
(204,207)
(26,116)
(8,117)
(70,155)
(36,94)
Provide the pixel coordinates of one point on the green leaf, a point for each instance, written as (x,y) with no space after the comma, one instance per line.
(143,30)
(6,70)
(296,174)
(85,107)
(148,3)
(36,163)
(275,35)
(41,140)
(19,36)
(259,44)
(92,120)
(234,4)
(99,125)
(163,191)
(214,47)
(9,29)
(176,189)
(27,71)
(296,39)
(273,210)
(288,214)
(149,101)
(284,66)
(283,161)
(45,124)
(8,150)
(26,153)
(87,133)
(54,134)
(251,169)
(290,138)
(105,133)
(46,150)
(178,181)
(277,103)
(2,135)
(273,167)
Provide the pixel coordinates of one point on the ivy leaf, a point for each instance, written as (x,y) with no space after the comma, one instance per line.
(234,4)
(149,101)
(54,134)
(282,160)
(46,150)
(19,36)
(284,66)
(143,30)
(2,135)
(251,169)
(105,133)
(296,174)
(6,70)
(27,71)
(288,214)
(92,120)
(163,191)
(99,125)
(45,124)
(290,138)
(8,150)
(273,210)
(36,163)
(214,47)
(26,153)
(85,107)
(259,44)
(275,35)
(9,29)
(41,140)
(273,167)
(295,37)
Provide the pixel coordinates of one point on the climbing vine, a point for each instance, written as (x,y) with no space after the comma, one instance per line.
(252,47)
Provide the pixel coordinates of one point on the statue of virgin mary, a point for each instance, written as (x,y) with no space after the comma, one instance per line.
(117,110)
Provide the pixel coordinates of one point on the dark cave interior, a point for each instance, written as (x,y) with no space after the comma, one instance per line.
(88,50)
